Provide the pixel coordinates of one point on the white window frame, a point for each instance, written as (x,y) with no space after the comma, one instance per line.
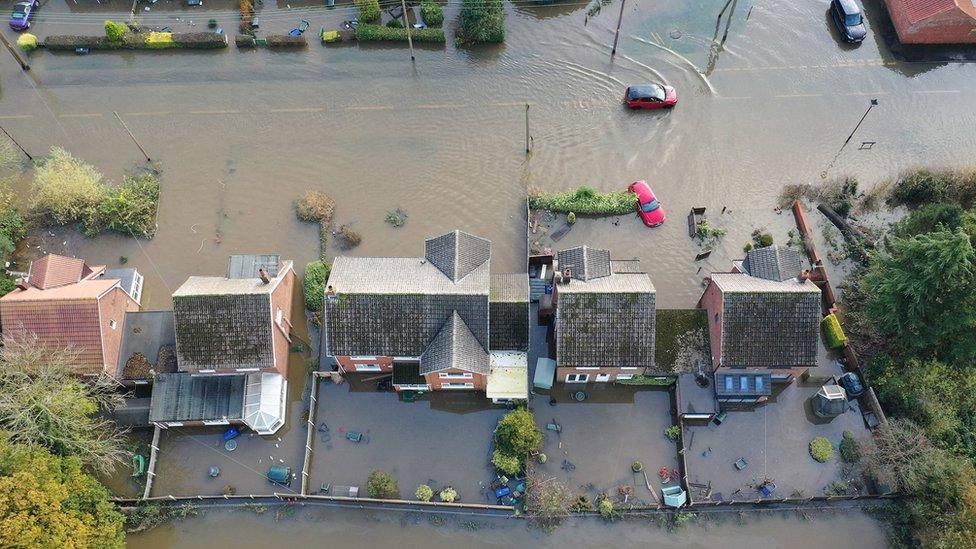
(216,422)
(369,368)
(602,378)
(457,386)
(628,367)
(625,376)
(364,358)
(455,375)
(587,367)
(577,378)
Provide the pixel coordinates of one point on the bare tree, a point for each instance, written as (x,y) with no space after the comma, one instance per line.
(547,501)
(43,402)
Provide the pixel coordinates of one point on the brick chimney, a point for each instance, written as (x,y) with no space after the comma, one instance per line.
(803,276)
(567,275)
(22,284)
(264,276)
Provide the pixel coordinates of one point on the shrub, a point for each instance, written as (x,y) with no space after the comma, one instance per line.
(571,218)
(584,200)
(369,11)
(316,206)
(506,463)
(160,40)
(821,449)
(932,217)
(833,331)
(432,13)
(67,189)
(316,273)
(115,32)
(850,450)
(761,239)
(349,238)
(212,24)
(673,432)
(517,434)
(397,218)
(449,495)
(131,207)
(245,41)
(285,41)
(481,21)
(394,24)
(331,36)
(707,234)
(919,187)
(382,485)
(140,41)
(424,493)
(27,42)
(378,33)
(637,467)
(606,508)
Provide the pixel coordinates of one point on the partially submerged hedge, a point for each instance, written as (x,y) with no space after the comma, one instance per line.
(833,331)
(138,41)
(585,201)
(379,33)
(285,41)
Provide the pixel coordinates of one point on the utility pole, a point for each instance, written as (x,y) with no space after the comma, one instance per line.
(29,157)
(406,25)
(20,59)
(616,35)
(134,140)
(874,103)
(527,128)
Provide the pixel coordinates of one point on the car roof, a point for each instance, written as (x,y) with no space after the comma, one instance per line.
(643,90)
(850,7)
(644,191)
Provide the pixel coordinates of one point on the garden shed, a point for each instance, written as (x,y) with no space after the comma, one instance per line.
(830,401)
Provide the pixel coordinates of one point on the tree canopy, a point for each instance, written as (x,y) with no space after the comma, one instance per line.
(517,434)
(48,501)
(481,21)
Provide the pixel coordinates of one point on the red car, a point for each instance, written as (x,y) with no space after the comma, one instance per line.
(648,207)
(651,96)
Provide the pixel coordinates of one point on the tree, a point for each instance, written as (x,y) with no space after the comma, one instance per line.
(481,21)
(506,463)
(924,294)
(382,485)
(115,32)
(67,189)
(547,501)
(369,11)
(517,434)
(48,501)
(43,403)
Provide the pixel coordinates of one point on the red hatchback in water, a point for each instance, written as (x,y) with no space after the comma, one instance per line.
(651,96)
(648,206)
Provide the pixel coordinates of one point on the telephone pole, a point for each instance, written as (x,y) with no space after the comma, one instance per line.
(10,137)
(527,138)
(20,59)
(616,35)
(406,25)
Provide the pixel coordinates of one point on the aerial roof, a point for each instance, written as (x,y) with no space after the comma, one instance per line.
(247,266)
(454,347)
(776,263)
(457,253)
(53,270)
(586,263)
(237,281)
(185,397)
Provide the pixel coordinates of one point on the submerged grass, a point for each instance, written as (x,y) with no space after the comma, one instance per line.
(584,201)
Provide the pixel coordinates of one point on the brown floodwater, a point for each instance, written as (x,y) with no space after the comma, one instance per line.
(767,97)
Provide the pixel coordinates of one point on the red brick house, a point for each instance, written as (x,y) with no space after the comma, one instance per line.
(232,344)
(64,302)
(933,21)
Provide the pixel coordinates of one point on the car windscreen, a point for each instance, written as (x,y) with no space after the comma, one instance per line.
(646,92)
(852,19)
(650,206)
(18,13)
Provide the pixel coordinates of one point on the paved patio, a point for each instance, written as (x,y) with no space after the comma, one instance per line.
(774,441)
(442,439)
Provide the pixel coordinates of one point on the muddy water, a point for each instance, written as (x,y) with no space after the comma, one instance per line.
(767,97)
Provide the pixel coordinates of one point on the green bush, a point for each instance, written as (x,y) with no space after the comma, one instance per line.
(285,41)
(919,187)
(424,493)
(932,217)
(571,218)
(245,41)
(850,450)
(481,21)
(115,32)
(637,467)
(139,41)
(833,331)
(517,434)
(432,13)
(369,11)
(382,485)
(606,508)
(129,208)
(506,463)
(379,33)
(316,207)
(584,200)
(316,274)
(67,190)
(394,24)
(821,449)
(27,42)
(449,495)
(673,432)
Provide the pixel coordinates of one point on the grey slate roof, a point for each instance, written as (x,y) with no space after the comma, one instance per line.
(586,263)
(223,331)
(606,328)
(401,275)
(509,312)
(145,332)
(454,346)
(457,253)
(247,266)
(509,288)
(773,263)
(768,324)
(185,397)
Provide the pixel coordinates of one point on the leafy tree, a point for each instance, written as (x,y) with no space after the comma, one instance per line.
(48,501)
(369,11)
(129,208)
(432,13)
(933,217)
(66,189)
(923,293)
(381,484)
(43,403)
(517,434)
(115,32)
(547,501)
(481,21)
(316,273)
(506,463)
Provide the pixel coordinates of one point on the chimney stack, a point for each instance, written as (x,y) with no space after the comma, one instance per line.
(22,284)
(264,276)
(804,275)
(567,275)
(330,291)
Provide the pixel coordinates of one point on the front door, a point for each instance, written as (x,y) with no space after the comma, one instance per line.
(577,378)
(602,377)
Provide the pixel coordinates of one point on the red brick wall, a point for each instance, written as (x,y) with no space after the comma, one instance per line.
(282,298)
(711,301)
(113,306)
(436,383)
(348,364)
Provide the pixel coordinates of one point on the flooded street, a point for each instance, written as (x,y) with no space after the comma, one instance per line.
(767,97)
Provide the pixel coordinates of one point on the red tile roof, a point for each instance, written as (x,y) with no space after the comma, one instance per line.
(53,270)
(58,323)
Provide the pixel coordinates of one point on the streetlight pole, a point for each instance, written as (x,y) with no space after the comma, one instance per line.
(874,103)
(10,137)
(406,25)
(616,35)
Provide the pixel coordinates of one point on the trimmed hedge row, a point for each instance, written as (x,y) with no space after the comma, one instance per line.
(833,331)
(378,33)
(138,41)
(285,41)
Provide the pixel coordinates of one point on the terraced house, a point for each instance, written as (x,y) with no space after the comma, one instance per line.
(604,319)
(232,345)
(437,322)
(764,324)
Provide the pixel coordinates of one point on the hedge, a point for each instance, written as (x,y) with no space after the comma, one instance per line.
(285,41)
(138,41)
(378,33)
(833,331)
(584,200)
(432,13)
(244,41)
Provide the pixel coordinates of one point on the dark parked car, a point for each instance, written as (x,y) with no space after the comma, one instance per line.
(849,20)
(21,15)
(852,384)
